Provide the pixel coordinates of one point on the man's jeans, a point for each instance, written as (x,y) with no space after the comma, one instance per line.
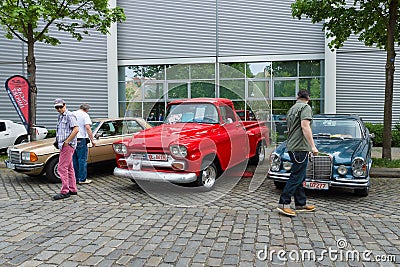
(80,160)
(294,186)
(66,170)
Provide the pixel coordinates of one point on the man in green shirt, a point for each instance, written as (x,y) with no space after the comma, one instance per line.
(299,144)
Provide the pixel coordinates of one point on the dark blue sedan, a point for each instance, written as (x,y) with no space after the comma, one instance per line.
(344,160)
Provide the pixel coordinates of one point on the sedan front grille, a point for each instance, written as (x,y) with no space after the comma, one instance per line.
(14,156)
(319,168)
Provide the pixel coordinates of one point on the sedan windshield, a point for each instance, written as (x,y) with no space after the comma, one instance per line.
(193,112)
(336,128)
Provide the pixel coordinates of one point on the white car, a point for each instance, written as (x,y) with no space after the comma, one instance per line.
(12,133)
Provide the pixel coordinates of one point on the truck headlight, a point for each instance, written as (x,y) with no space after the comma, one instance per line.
(359,167)
(178,151)
(275,161)
(29,156)
(120,149)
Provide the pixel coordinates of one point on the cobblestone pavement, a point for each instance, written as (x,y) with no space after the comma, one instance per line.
(113,222)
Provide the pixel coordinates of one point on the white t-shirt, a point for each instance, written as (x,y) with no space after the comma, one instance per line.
(83,118)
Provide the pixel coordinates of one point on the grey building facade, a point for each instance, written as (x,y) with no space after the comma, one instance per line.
(179,37)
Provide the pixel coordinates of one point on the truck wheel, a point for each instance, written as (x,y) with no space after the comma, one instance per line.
(363,192)
(21,139)
(52,171)
(259,157)
(208,175)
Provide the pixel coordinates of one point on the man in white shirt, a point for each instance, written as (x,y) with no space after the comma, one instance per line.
(81,153)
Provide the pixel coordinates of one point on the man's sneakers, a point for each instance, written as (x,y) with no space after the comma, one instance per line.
(286,210)
(87,181)
(305,208)
(61,196)
(289,212)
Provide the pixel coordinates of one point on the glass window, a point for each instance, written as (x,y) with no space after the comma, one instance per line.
(130,109)
(284,68)
(284,88)
(232,70)
(153,90)
(151,71)
(177,72)
(232,89)
(202,89)
(259,70)
(202,71)
(258,89)
(193,112)
(177,90)
(153,112)
(131,126)
(313,85)
(227,114)
(309,68)
(2,126)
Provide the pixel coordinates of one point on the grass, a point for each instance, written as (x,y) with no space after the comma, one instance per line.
(384,163)
(3,156)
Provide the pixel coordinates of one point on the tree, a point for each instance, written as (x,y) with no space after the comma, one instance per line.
(31,20)
(375,22)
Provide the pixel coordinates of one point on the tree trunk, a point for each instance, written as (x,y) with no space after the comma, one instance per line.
(390,58)
(31,70)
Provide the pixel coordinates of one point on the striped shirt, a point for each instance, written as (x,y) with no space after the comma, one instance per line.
(66,122)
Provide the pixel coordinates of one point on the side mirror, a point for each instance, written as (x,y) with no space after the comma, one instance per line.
(372,135)
(97,136)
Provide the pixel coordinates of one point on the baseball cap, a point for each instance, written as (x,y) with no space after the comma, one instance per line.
(59,102)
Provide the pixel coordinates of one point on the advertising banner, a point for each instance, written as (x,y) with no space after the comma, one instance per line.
(17,88)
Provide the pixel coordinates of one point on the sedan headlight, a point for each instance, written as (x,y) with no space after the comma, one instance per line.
(120,149)
(29,156)
(179,151)
(275,161)
(342,170)
(287,166)
(359,167)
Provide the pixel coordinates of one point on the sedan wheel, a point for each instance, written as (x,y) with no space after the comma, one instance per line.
(52,171)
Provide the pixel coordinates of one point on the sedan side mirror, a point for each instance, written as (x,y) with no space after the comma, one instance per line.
(372,135)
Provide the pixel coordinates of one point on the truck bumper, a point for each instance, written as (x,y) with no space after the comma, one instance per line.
(173,177)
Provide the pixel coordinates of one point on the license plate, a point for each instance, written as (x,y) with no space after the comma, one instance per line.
(157,157)
(10,165)
(316,185)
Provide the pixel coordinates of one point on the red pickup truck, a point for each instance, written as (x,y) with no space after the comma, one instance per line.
(199,139)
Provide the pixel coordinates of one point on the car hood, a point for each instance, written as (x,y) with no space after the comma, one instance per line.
(343,151)
(39,147)
(162,136)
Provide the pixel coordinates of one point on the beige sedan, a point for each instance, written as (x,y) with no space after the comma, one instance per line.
(41,157)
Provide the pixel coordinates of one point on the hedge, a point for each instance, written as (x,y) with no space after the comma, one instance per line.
(377,129)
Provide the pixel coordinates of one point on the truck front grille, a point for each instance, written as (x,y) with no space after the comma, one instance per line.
(14,156)
(319,168)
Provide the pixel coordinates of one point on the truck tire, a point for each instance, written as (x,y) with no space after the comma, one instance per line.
(259,157)
(21,139)
(52,170)
(208,175)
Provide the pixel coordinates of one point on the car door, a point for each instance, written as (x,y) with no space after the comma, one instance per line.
(6,139)
(108,133)
(236,135)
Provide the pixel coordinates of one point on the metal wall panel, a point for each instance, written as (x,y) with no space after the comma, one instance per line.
(263,27)
(75,71)
(360,84)
(167,29)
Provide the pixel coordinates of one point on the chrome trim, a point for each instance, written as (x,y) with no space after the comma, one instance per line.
(338,182)
(174,177)
(26,167)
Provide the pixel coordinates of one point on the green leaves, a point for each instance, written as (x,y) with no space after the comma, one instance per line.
(367,18)
(75,17)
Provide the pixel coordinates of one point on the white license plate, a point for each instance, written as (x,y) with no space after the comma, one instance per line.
(316,185)
(157,157)
(10,165)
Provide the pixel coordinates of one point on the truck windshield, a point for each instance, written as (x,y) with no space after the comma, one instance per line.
(192,113)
